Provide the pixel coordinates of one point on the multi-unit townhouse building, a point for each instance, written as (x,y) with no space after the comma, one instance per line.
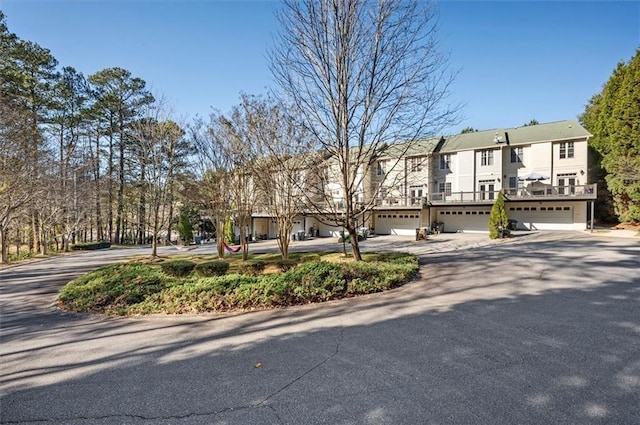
(451,182)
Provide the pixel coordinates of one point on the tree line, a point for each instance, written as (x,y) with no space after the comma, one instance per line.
(100,157)
(81,157)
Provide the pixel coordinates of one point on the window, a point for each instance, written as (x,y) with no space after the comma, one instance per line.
(382,168)
(416,164)
(445,162)
(567,184)
(486,157)
(566,150)
(516,155)
(440,187)
(513,182)
(447,189)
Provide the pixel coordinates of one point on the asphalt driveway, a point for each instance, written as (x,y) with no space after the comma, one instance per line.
(538,329)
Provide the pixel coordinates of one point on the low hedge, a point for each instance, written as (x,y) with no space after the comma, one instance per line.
(285,265)
(252,268)
(178,268)
(212,268)
(132,288)
(88,246)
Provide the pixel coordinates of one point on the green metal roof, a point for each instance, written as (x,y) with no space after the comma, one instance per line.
(560,130)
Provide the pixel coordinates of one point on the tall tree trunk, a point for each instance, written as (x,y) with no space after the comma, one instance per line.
(220,236)
(4,247)
(141,205)
(110,190)
(170,218)
(35,228)
(121,179)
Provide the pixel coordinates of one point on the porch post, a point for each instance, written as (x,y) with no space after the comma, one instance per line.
(593,203)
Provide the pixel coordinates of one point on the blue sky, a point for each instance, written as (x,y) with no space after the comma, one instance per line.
(517,60)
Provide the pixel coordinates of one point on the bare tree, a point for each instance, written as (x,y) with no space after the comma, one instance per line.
(363,75)
(215,175)
(282,152)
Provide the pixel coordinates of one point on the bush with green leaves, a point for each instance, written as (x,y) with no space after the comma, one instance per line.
(285,265)
(498,218)
(212,268)
(178,268)
(309,257)
(144,289)
(87,246)
(252,268)
(112,287)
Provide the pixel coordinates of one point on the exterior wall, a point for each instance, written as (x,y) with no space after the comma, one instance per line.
(262,226)
(417,178)
(541,159)
(515,169)
(571,165)
(465,166)
(488,172)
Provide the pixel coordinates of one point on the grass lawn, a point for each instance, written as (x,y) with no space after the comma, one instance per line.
(195,283)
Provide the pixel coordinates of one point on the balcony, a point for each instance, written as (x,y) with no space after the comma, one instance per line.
(536,192)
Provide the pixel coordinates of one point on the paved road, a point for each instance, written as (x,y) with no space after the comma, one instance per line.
(538,329)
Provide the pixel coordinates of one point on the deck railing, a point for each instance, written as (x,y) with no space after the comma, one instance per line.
(545,192)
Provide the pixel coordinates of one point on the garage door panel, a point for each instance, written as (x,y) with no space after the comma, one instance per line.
(464,220)
(543,218)
(404,224)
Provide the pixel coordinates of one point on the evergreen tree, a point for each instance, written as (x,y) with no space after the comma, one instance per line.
(613,117)
(185,227)
(498,217)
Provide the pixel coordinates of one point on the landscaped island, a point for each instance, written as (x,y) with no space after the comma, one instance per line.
(199,284)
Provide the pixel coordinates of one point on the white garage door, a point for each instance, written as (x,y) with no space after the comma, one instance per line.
(397,223)
(543,218)
(465,220)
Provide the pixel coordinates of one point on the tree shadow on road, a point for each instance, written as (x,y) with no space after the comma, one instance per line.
(497,334)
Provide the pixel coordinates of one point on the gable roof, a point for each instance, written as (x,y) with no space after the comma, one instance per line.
(554,131)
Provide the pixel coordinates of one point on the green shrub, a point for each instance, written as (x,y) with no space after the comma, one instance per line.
(285,265)
(132,288)
(178,268)
(252,268)
(309,257)
(87,246)
(111,288)
(212,268)
(498,218)
(315,281)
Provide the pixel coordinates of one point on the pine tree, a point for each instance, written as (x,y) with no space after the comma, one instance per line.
(613,117)
(498,217)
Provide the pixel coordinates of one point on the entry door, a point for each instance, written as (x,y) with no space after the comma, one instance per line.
(415,193)
(567,185)
(487,190)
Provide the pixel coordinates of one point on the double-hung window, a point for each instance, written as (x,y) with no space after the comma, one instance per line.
(416,164)
(486,157)
(516,155)
(567,150)
(445,188)
(445,161)
(382,168)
